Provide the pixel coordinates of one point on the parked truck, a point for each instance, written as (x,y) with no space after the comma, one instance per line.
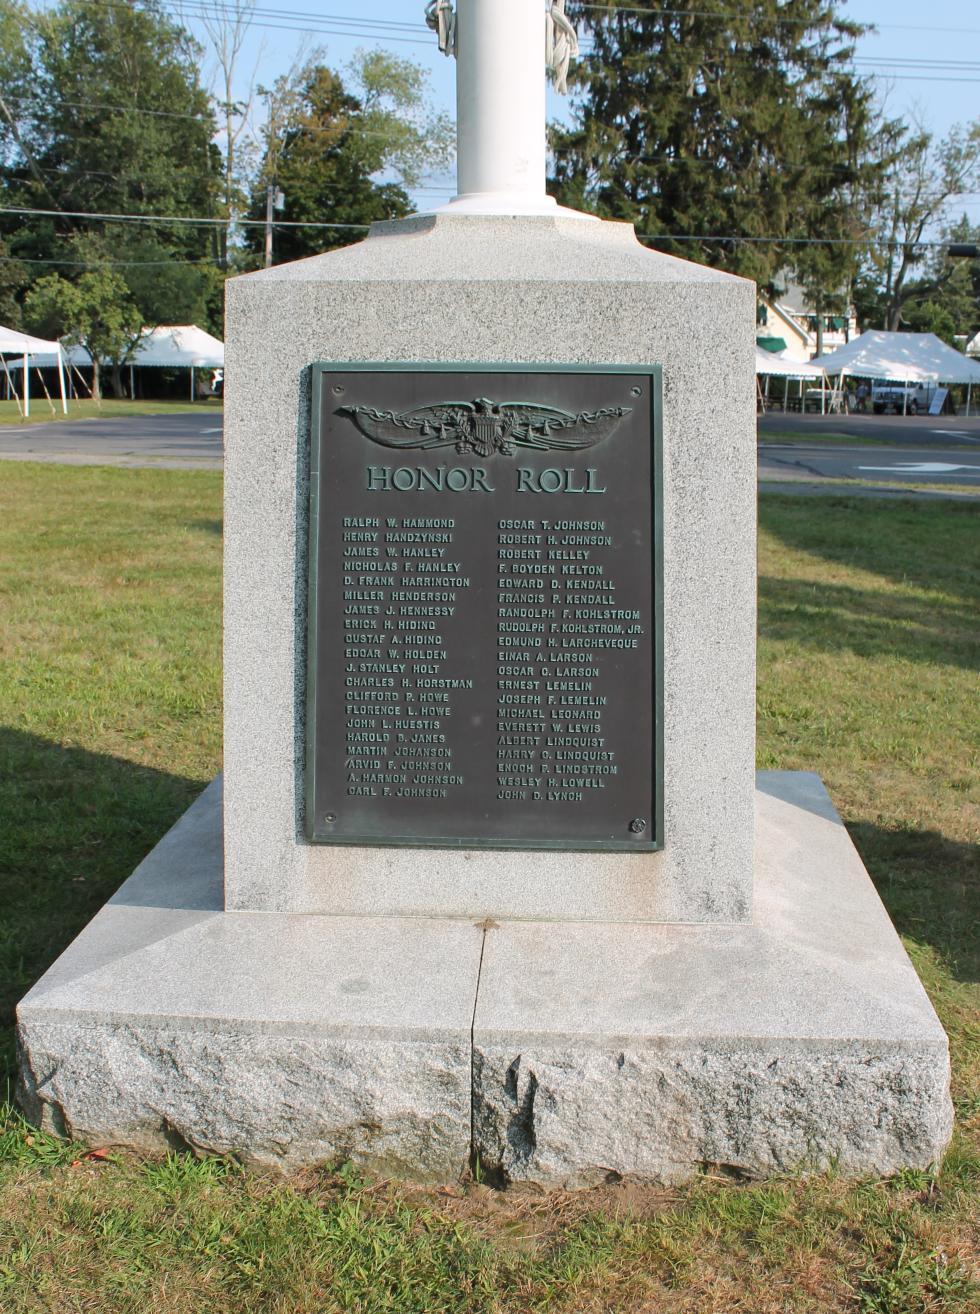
(902,398)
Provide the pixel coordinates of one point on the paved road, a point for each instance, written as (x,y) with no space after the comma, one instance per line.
(194,441)
(914,430)
(881,465)
(159,440)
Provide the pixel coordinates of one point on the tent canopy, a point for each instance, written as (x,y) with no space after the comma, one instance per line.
(767,363)
(904,357)
(172,346)
(179,346)
(12,342)
(33,352)
(76,355)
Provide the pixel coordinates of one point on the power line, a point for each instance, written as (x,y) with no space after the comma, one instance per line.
(307,23)
(101,264)
(170,219)
(302,21)
(609,9)
(122,109)
(895,243)
(943,68)
(869,240)
(788,22)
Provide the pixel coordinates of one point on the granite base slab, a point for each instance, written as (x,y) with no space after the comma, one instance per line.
(561,1053)
(281,1040)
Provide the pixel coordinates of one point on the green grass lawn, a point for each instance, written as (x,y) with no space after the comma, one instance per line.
(110,708)
(109,408)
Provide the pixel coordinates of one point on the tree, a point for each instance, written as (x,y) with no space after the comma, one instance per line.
(94,311)
(227,26)
(946,299)
(113,120)
(325,147)
(924,178)
(732,125)
(13,279)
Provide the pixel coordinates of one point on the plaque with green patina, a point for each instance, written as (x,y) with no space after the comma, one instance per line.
(485,616)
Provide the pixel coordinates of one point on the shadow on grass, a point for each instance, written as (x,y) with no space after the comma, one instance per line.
(841,618)
(75,826)
(928,545)
(931,888)
(215,527)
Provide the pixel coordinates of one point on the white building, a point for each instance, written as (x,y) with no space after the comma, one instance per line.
(790,316)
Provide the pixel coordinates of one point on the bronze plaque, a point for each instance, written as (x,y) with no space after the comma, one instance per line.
(484,643)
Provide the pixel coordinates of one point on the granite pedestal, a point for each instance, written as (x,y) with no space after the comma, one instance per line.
(558,1052)
(739,997)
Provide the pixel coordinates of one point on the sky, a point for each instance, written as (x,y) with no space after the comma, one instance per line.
(926,57)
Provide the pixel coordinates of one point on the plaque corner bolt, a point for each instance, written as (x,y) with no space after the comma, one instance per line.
(638,826)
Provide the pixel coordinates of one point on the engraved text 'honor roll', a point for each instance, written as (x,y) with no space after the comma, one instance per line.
(484,607)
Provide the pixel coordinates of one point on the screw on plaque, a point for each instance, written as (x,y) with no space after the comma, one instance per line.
(638,826)
(636,392)
(330,816)
(337,389)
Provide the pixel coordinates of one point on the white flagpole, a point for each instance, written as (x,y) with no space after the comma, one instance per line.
(501,147)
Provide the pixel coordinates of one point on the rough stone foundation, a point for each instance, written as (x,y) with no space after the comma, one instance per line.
(560,1053)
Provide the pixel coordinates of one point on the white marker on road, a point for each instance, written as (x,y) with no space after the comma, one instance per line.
(921,467)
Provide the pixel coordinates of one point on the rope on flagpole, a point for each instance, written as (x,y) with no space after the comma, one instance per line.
(561,39)
(561,45)
(440,17)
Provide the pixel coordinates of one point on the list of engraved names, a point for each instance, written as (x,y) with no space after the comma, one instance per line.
(558,619)
(403,685)
(409,691)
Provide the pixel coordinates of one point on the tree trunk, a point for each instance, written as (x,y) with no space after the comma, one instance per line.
(819,309)
(117,383)
(96,380)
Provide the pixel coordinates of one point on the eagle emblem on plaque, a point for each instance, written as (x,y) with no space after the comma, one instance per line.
(487,428)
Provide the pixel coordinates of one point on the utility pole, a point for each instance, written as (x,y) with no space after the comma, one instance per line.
(274,200)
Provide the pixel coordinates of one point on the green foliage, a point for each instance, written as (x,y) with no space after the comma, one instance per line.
(325,147)
(96,310)
(731,122)
(932,317)
(922,179)
(13,279)
(946,300)
(397,129)
(111,119)
(15,70)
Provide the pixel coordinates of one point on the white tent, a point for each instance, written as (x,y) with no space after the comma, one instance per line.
(903,358)
(171,346)
(179,346)
(781,365)
(28,348)
(770,362)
